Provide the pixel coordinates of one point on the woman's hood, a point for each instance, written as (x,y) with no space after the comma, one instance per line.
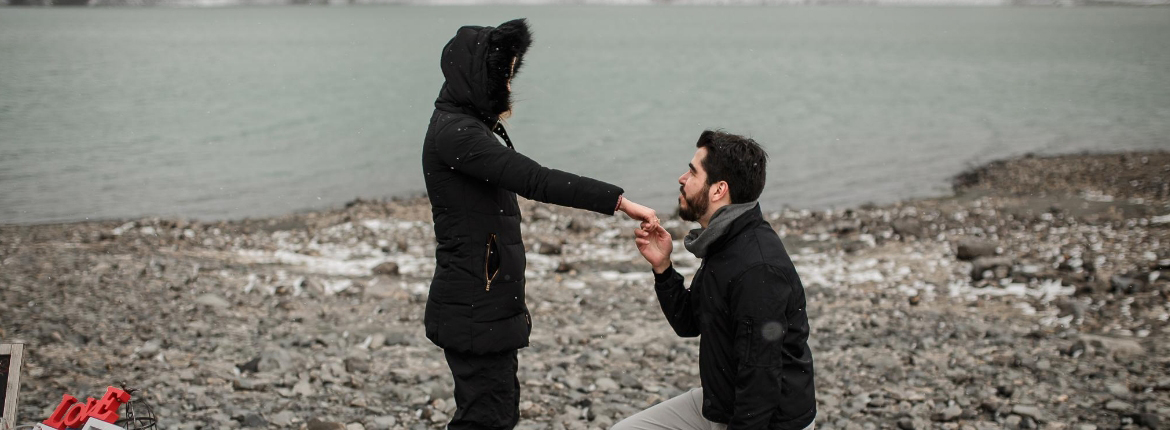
(476,64)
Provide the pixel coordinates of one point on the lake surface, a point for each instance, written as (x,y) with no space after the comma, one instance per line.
(243,112)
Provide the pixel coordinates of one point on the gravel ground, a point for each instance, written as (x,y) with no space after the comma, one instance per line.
(1035,297)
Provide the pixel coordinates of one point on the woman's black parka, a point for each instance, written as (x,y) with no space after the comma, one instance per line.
(476,303)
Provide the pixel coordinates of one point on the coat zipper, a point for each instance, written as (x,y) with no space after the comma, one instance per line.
(751,323)
(487,262)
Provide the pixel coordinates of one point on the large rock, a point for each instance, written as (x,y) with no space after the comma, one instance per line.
(357,365)
(580,225)
(252,365)
(1148,420)
(1117,346)
(565,267)
(883,362)
(385,422)
(606,384)
(253,420)
(906,423)
(847,226)
(548,247)
(949,413)
(971,248)
(282,418)
(316,424)
(991,268)
(398,337)
(388,268)
(304,389)
(150,348)
(244,384)
(1117,389)
(274,359)
(385,287)
(212,300)
(1118,406)
(1128,284)
(629,381)
(1030,412)
(908,227)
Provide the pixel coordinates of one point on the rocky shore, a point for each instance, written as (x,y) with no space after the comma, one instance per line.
(1035,297)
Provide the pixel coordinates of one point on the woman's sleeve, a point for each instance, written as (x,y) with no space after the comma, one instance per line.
(471,152)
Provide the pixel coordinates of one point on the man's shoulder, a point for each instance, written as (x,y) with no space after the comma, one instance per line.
(757,244)
(758,249)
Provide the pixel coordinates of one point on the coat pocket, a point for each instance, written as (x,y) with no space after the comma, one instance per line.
(491,262)
(743,340)
(759,342)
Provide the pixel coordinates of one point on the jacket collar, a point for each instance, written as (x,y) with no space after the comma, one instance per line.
(727,222)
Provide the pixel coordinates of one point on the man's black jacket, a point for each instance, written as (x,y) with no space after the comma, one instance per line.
(747,305)
(476,302)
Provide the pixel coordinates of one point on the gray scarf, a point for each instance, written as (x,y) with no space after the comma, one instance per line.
(699,239)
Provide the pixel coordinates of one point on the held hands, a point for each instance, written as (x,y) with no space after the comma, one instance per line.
(653,241)
(638,212)
(655,244)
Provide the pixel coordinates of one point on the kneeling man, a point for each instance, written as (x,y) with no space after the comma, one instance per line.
(746,302)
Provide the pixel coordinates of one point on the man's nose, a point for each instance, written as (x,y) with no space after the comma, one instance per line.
(682,180)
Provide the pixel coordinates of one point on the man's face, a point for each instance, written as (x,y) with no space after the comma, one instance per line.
(693,199)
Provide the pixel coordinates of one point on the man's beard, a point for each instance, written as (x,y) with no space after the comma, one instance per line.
(696,207)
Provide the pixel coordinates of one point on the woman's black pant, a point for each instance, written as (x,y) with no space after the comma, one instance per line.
(487,392)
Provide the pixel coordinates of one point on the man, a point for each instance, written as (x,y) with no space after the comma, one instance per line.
(475,310)
(746,302)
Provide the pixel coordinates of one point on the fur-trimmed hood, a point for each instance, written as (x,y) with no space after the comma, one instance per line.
(476,65)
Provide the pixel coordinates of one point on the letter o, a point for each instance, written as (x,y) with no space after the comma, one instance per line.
(76,415)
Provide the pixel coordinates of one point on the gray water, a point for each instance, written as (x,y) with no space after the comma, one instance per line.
(244,112)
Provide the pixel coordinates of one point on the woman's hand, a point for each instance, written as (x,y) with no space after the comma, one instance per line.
(639,212)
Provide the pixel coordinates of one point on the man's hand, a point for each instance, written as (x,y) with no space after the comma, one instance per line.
(655,245)
(638,212)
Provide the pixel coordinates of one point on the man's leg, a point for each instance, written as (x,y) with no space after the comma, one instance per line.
(487,392)
(684,412)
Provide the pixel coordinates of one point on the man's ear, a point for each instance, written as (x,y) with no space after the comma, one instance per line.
(719,190)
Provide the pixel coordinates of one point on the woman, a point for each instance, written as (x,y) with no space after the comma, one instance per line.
(476,309)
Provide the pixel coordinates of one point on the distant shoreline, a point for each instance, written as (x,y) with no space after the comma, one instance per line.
(699,3)
(962,183)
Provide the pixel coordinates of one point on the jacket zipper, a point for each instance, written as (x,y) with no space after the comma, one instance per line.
(487,262)
(750,338)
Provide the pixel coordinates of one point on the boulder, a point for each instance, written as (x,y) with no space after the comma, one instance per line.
(316,424)
(388,268)
(908,227)
(1118,406)
(996,267)
(971,248)
(212,300)
(1030,412)
(949,413)
(548,247)
(274,359)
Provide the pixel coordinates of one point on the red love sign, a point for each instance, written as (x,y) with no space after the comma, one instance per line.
(71,413)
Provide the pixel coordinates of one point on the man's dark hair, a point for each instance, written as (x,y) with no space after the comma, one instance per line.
(738,160)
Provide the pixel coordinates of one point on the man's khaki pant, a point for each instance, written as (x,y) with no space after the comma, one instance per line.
(684,412)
